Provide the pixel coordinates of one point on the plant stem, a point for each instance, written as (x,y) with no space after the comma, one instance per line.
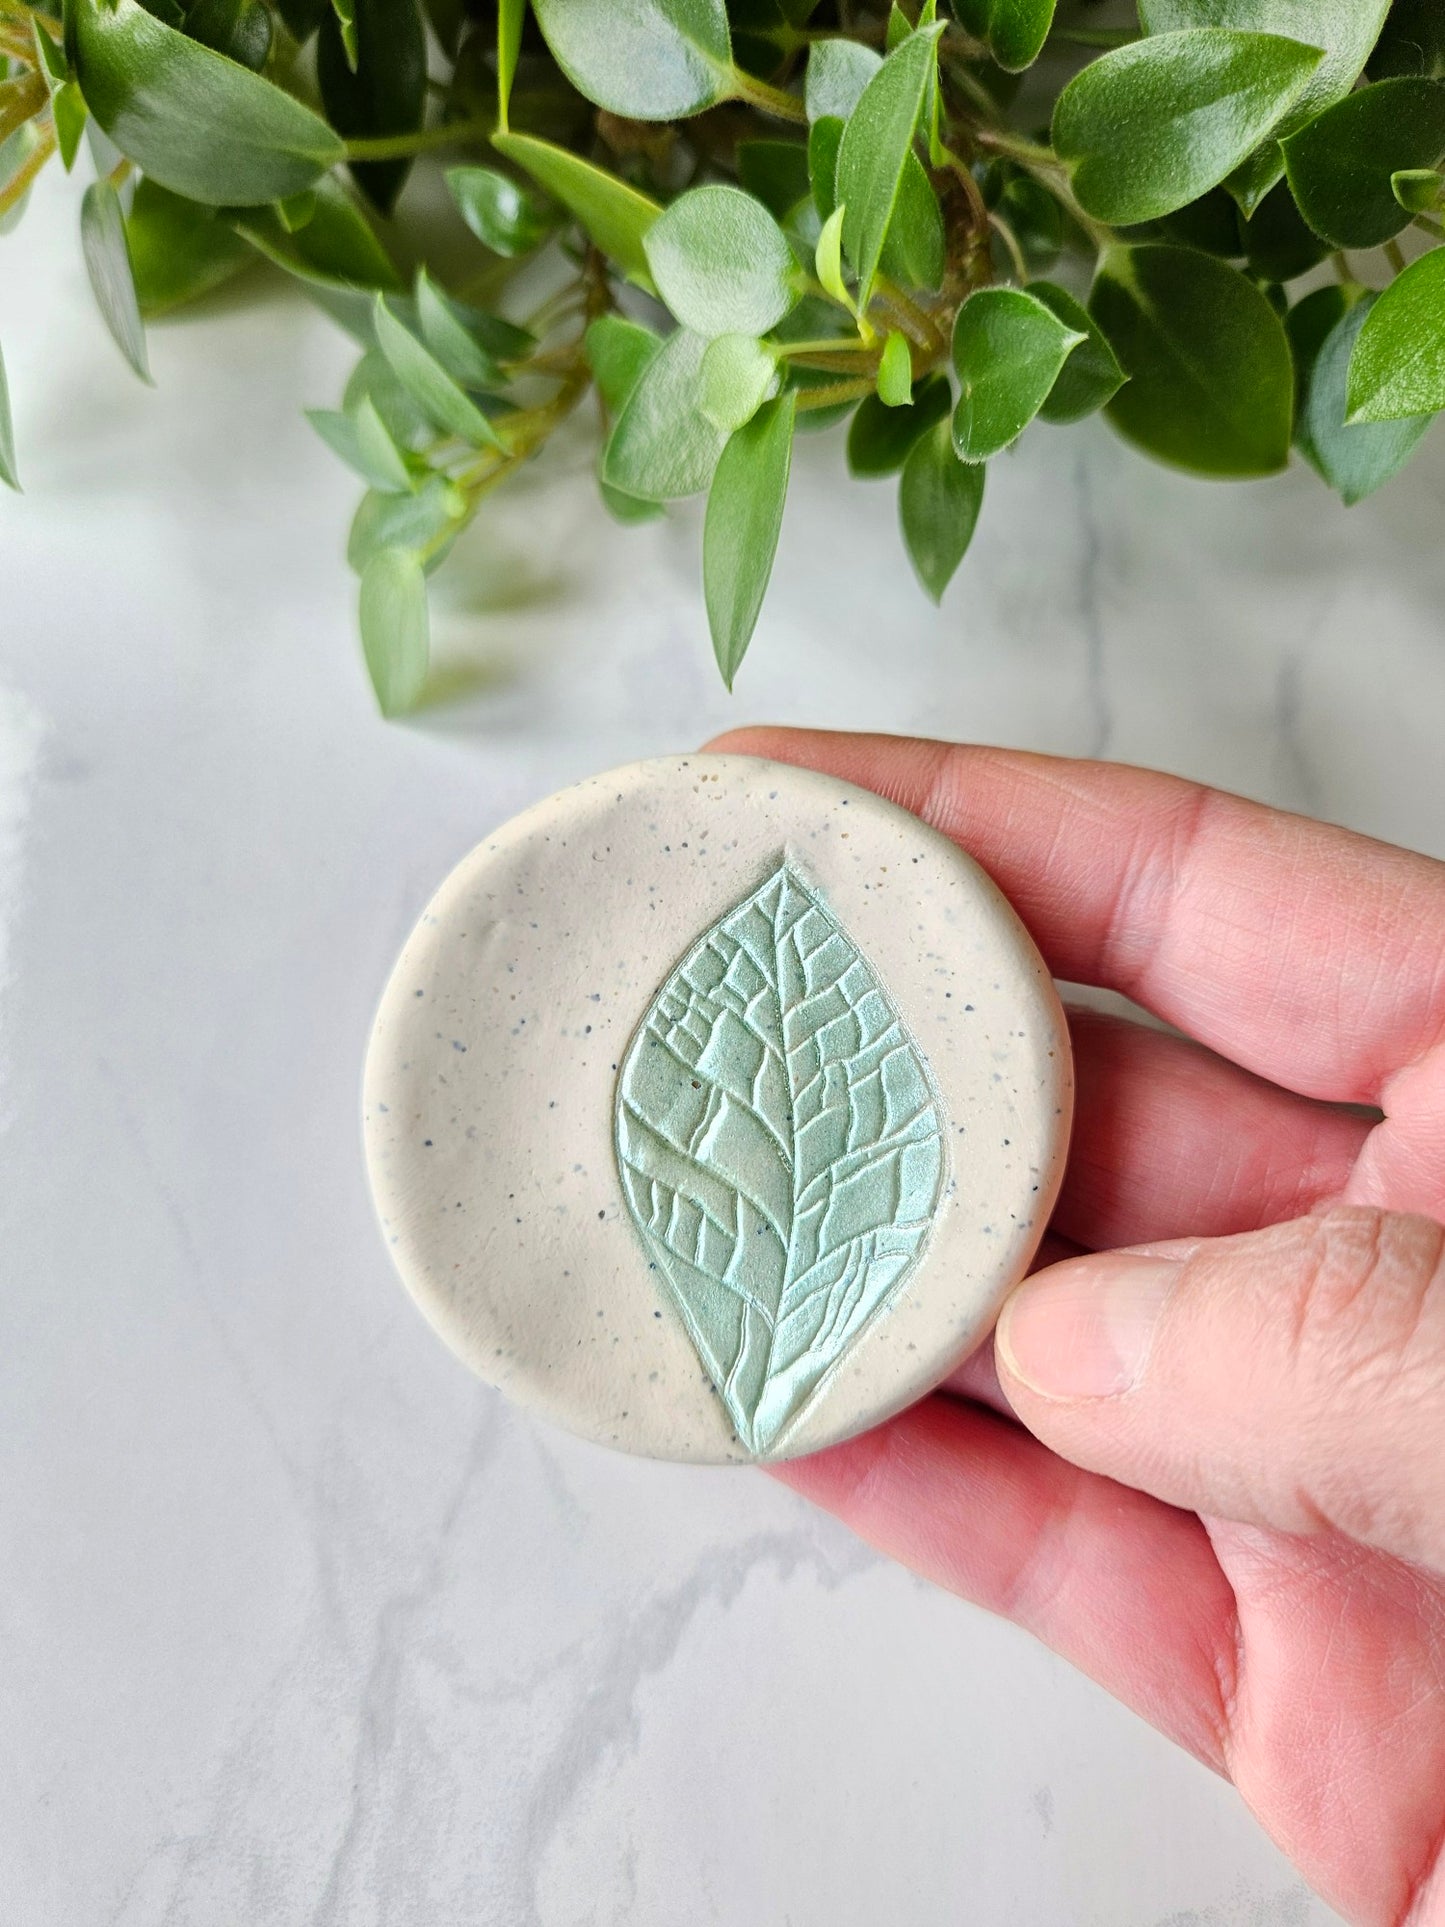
(397,147)
(824,345)
(1394,256)
(768,100)
(1010,240)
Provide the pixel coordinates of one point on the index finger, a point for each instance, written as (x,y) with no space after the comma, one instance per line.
(1310,955)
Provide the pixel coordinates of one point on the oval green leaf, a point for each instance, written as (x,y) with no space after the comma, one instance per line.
(663,446)
(189,118)
(1153,125)
(838,72)
(617,352)
(178,249)
(1398,365)
(1339,165)
(721,262)
(1091,376)
(649,59)
(395,632)
(615,215)
(1008,349)
(737,376)
(1354,458)
(880,437)
(503,216)
(1017,30)
(939,498)
(741,528)
(1210,381)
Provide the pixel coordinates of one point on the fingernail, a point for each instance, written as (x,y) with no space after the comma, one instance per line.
(1084,1329)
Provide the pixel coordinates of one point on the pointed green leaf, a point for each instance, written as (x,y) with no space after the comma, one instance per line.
(914,252)
(395,632)
(345,11)
(112,282)
(1277,243)
(617,352)
(428,383)
(783,1233)
(454,346)
(1345,29)
(648,60)
(663,446)
(1008,349)
(939,498)
(503,216)
(1353,458)
(879,437)
(1091,376)
(1153,125)
(51,59)
(825,137)
(511,14)
(360,438)
(829,258)
(9,474)
(721,262)
(737,376)
(1210,381)
(337,246)
(70,113)
(876,143)
(1339,165)
(775,173)
(425,523)
(1398,365)
(895,372)
(178,249)
(740,531)
(383,92)
(189,118)
(615,215)
(838,72)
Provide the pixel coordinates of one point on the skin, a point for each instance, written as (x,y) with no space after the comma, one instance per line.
(1240,1529)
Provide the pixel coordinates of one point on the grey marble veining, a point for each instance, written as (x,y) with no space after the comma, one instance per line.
(298,1625)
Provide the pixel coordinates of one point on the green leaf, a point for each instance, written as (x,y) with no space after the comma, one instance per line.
(385,95)
(829,258)
(880,437)
(721,262)
(1353,458)
(1017,30)
(511,15)
(663,446)
(395,631)
(1153,125)
(453,344)
(9,474)
(648,59)
(617,352)
(69,111)
(503,216)
(1345,29)
(628,510)
(1091,376)
(337,246)
(775,173)
(428,383)
(425,523)
(20,100)
(1008,349)
(615,215)
(838,73)
(240,31)
(1398,366)
(178,250)
(914,253)
(1419,190)
(740,531)
(824,139)
(1277,243)
(895,372)
(939,498)
(1340,164)
(1412,42)
(1211,223)
(112,282)
(1308,326)
(783,1235)
(876,145)
(1210,383)
(360,437)
(189,118)
(738,375)
(345,11)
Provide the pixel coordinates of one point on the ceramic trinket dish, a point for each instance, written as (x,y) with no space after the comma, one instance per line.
(713,1107)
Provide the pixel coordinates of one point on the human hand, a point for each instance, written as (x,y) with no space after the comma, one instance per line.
(1228,1505)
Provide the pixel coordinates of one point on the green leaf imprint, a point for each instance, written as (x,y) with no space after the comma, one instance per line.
(780,1149)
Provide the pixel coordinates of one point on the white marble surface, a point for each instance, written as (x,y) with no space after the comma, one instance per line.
(297,1623)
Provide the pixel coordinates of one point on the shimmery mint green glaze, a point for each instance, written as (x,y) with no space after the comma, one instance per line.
(780,1150)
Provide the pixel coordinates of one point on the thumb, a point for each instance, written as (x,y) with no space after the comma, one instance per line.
(1293,1377)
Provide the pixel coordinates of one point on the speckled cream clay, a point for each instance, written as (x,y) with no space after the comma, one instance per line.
(713,1107)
